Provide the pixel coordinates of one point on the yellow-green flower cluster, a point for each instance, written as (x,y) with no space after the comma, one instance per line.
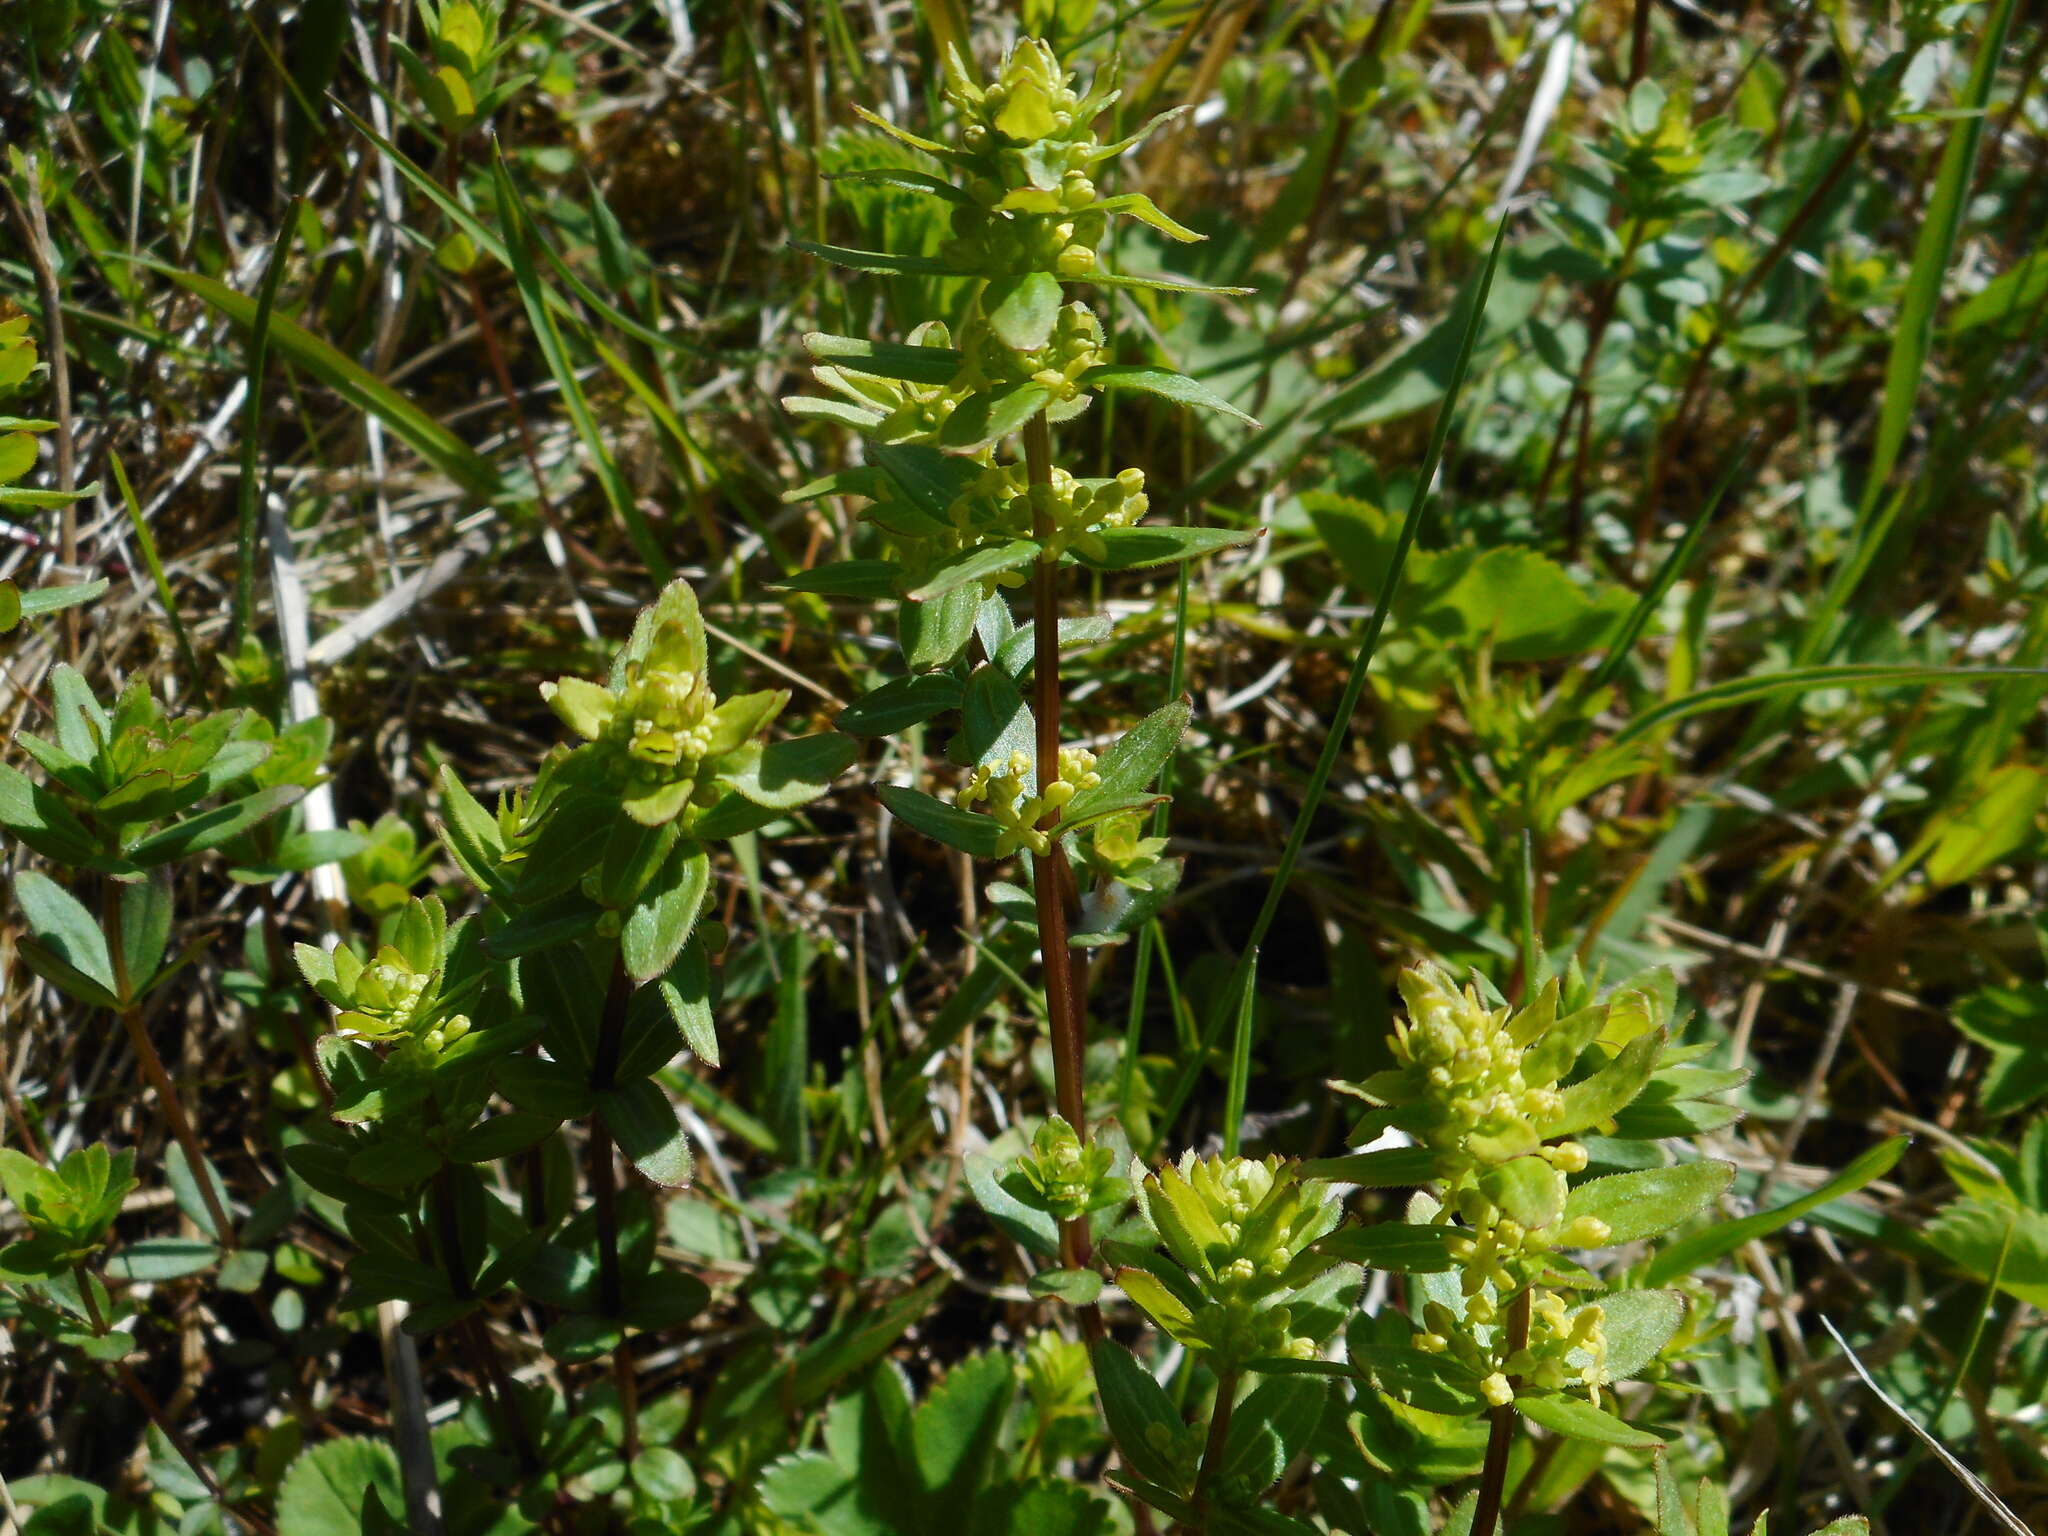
(1118,850)
(1027,144)
(396,996)
(913,411)
(1062,1176)
(1240,1232)
(1076,345)
(1566,1349)
(659,723)
(1465,1065)
(1005,787)
(1474,1087)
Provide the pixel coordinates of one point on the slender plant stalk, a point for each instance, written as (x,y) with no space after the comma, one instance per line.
(249,491)
(1500,1437)
(603,1176)
(1339,727)
(153,1071)
(1051,878)
(1213,1447)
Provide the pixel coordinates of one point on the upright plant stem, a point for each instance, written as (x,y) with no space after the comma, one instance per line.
(1051,878)
(1500,1438)
(603,1183)
(611,1288)
(153,1071)
(1212,1449)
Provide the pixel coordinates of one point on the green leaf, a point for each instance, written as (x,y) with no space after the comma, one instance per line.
(1076,1287)
(1607,1092)
(65,929)
(1389,1168)
(659,923)
(1649,1201)
(1131,549)
(871,580)
(994,720)
(899,704)
(686,992)
(883,262)
(1580,1420)
(1022,310)
(1163,382)
(1136,205)
(1404,1247)
(971,566)
(1270,1427)
(954,1429)
(1689,1254)
(162,1258)
(795,772)
(2008,300)
(145,929)
(1638,1324)
(970,833)
(1032,1229)
(322,1493)
(209,829)
(1996,822)
(886,359)
(1990,1241)
(349,379)
(983,419)
(1141,1416)
(815,1493)
(644,1124)
(1526,1188)
(1131,765)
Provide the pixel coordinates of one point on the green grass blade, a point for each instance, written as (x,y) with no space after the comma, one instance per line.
(249,491)
(1690,1253)
(353,382)
(1797,680)
(1911,341)
(1340,724)
(146,542)
(512,214)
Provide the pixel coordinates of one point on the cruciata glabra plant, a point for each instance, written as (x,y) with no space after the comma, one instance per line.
(1241,1262)
(585,974)
(960,478)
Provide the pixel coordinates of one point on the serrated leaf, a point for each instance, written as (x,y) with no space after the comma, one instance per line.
(795,772)
(1139,1412)
(660,921)
(972,566)
(644,1124)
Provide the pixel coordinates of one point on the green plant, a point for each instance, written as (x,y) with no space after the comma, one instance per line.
(570,1102)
